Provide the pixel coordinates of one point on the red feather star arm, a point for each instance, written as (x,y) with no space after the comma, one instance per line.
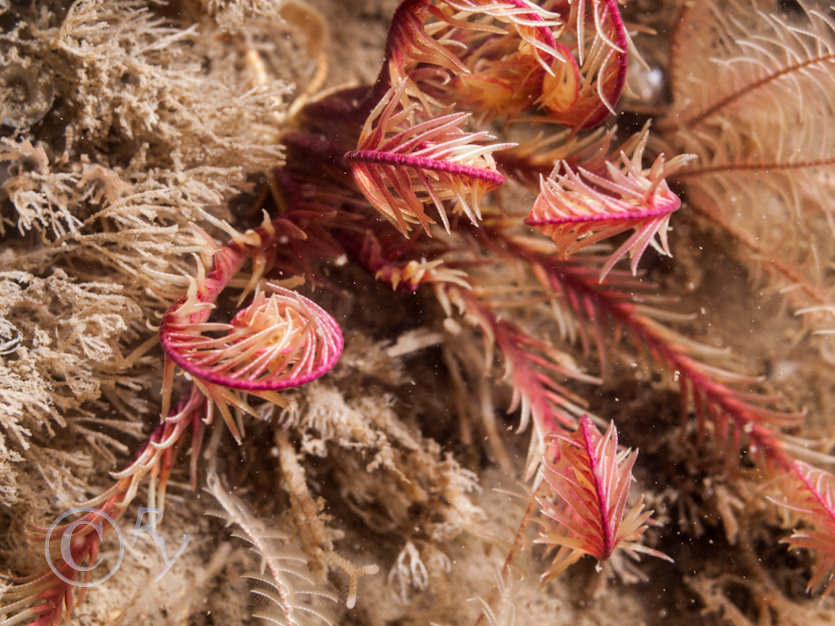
(811,495)
(453,34)
(600,44)
(280,340)
(577,208)
(408,158)
(590,478)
